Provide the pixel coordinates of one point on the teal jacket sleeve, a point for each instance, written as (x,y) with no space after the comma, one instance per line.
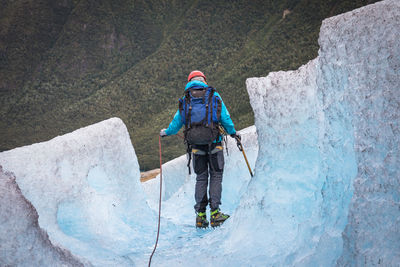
(226,120)
(175,124)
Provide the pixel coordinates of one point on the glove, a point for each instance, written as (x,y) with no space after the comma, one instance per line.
(163,133)
(236,136)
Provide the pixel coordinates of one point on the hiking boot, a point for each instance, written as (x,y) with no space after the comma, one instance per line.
(201,220)
(218,218)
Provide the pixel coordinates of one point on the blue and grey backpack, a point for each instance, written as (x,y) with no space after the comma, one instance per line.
(200,110)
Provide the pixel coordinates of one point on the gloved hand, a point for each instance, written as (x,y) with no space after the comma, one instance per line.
(236,136)
(163,133)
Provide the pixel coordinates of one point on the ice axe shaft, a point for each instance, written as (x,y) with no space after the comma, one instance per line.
(240,146)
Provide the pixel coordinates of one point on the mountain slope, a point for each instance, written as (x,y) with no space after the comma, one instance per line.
(131,60)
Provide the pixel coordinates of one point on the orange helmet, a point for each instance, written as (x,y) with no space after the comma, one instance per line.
(196,73)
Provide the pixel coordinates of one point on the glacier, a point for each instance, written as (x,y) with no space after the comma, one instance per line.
(326,189)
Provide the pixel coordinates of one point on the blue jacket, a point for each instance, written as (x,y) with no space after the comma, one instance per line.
(225,119)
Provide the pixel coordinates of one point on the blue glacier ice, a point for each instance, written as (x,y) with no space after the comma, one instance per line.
(324,150)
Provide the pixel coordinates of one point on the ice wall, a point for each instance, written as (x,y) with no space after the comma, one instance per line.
(360,63)
(22,241)
(294,209)
(85,187)
(332,124)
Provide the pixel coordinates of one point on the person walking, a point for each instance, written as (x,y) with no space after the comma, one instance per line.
(202,112)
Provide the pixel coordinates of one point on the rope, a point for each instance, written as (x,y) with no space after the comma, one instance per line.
(159,203)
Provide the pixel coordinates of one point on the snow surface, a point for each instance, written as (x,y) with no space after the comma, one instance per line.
(326,188)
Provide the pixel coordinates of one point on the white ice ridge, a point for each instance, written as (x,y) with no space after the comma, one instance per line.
(85,187)
(326,130)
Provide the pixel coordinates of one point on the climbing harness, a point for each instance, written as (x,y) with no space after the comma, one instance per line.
(239,145)
(159,203)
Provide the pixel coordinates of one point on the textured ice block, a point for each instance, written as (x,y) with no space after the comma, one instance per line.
(22,241)
(85,187)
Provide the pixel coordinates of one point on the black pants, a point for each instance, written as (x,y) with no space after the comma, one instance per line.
(204,166)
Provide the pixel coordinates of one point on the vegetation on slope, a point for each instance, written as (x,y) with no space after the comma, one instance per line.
(68,64)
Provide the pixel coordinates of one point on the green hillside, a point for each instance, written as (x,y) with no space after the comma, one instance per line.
(67,64)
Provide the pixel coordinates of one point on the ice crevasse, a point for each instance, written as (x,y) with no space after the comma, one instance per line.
(326,190)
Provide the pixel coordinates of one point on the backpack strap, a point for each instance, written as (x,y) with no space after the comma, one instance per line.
(183,106)
(205,120)
(210,102)
(189,92)
(209,106)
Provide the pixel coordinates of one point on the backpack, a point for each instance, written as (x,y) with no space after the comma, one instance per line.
(200,110)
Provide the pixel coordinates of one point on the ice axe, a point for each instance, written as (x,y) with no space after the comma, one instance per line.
(239,145)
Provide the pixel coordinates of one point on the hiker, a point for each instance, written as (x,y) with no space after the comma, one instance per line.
(204,141)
